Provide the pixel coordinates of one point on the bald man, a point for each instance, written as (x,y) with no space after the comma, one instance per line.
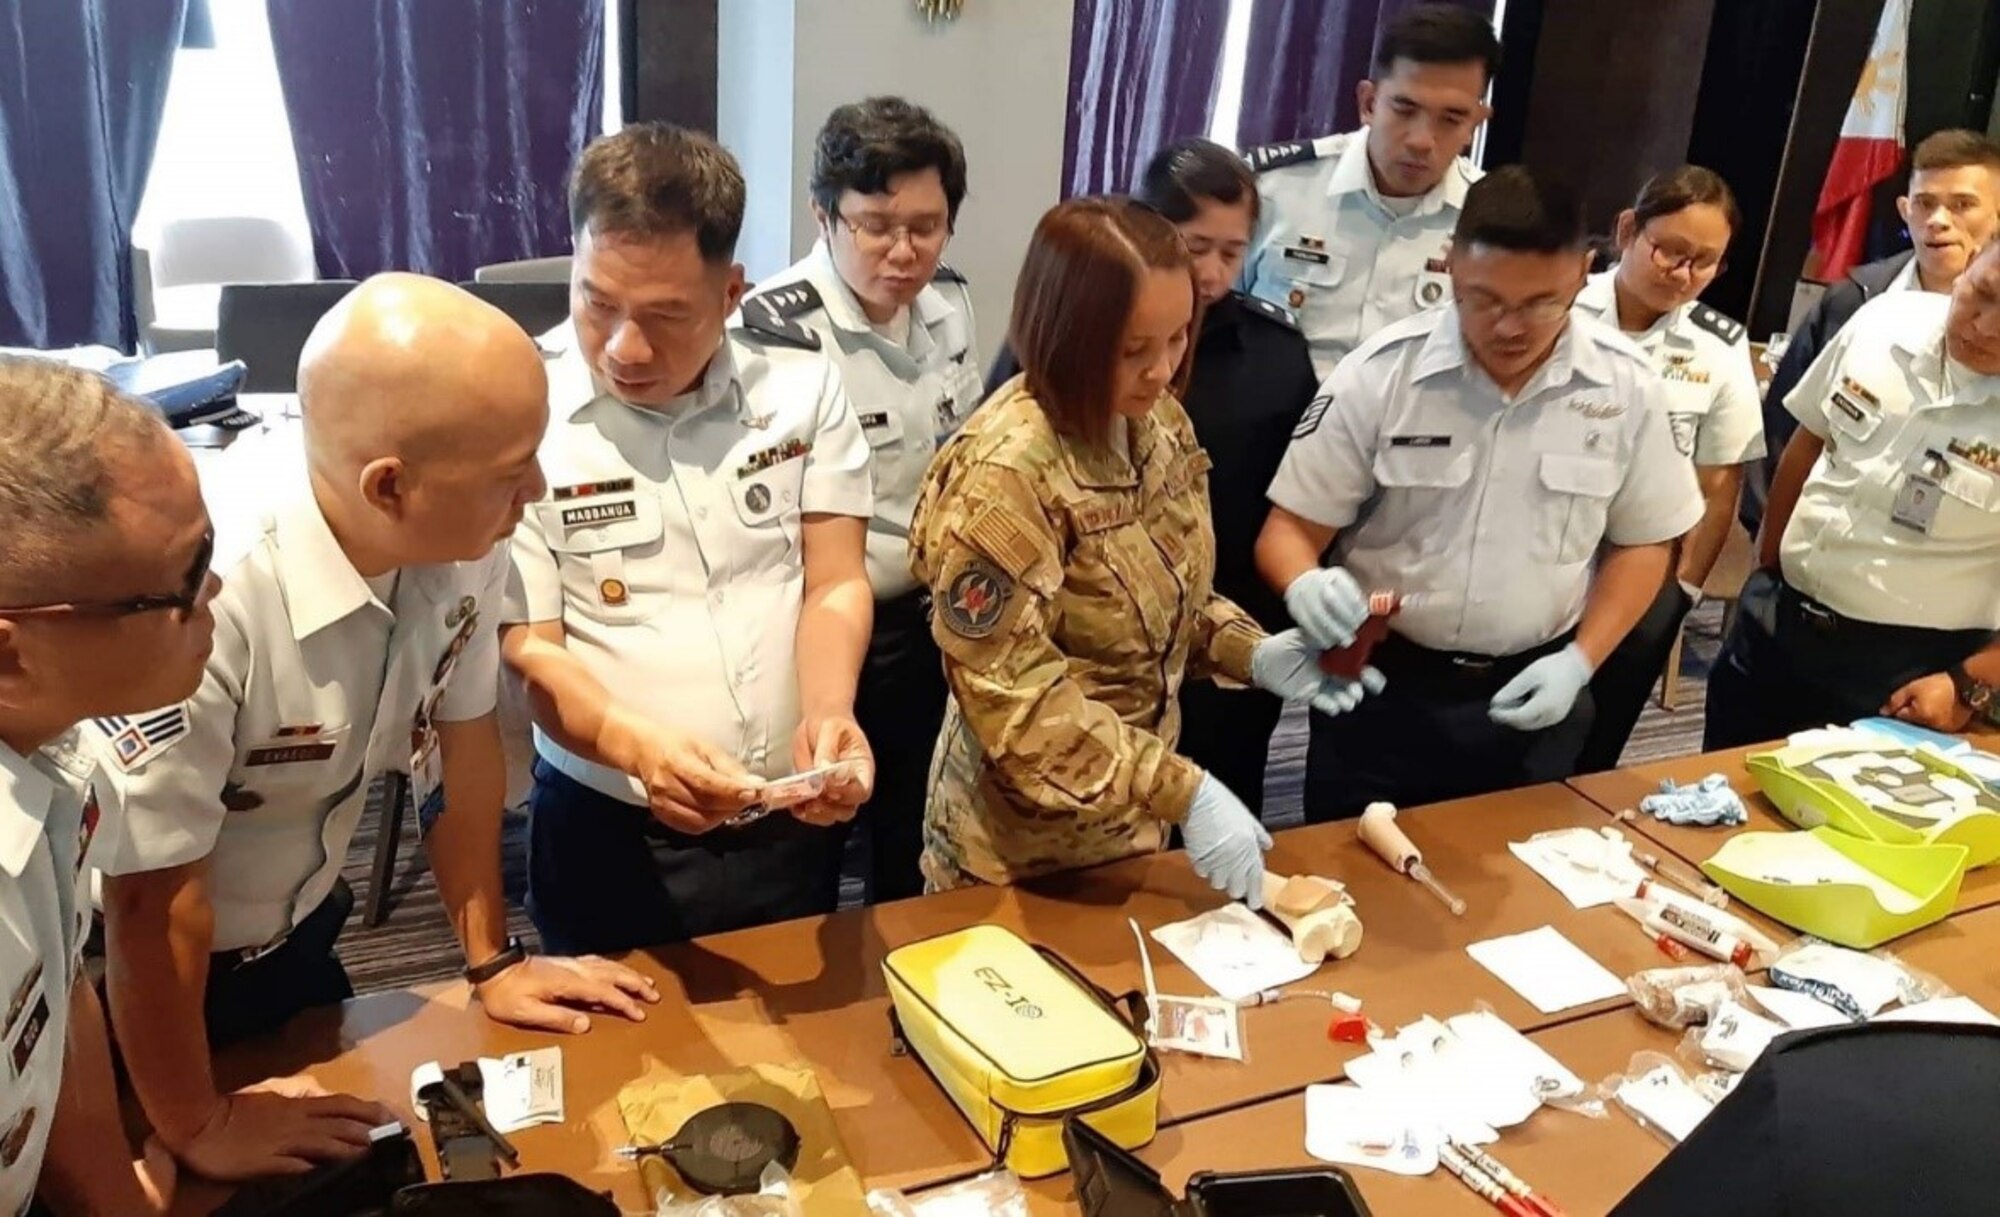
(355,637)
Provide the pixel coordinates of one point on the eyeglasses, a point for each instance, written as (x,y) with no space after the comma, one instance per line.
(1545,311)
(183,601)
(1670,260)
(875,235)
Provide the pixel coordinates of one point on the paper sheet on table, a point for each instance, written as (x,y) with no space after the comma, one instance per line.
(1348,1126)
(1941,1010)
(519,1090)
(1548,970)
(1234,951)
(1581,864)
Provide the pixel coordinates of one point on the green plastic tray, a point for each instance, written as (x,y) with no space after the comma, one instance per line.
(1810,800)
(1845,913)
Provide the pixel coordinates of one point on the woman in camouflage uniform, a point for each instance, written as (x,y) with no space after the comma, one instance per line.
(1065,536)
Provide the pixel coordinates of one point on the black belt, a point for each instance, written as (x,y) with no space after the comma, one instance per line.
(1458,672)
(1794,606)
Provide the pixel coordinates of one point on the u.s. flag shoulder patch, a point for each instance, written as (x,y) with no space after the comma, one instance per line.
(132,740)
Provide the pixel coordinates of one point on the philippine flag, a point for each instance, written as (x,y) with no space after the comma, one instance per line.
(1870,148)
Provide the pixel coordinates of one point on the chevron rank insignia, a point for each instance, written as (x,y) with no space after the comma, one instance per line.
(771,314)
(1277,156)
(135,740)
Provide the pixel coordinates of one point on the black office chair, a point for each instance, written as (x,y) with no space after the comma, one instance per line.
(266,325)
(538,307)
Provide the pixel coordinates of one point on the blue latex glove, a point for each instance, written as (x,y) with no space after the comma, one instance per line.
(1541,696)
(1706,803)
(1328,605)
(1288,665)
(1225,842)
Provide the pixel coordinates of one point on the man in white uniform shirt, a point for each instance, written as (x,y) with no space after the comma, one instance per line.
(356,635)
(1507,465)
(887,182)
(104,578)
(1354,230)
(1879,579)
(691,603)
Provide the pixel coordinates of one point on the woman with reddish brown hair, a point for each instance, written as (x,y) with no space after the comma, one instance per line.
(1065,536)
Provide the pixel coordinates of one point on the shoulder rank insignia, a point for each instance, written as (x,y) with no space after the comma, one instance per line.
(948,274)
(1715,323)
(134,740)
(1277,156)
(771,314)
(1267,310)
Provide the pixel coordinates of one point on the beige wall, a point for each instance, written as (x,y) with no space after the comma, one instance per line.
(999,76)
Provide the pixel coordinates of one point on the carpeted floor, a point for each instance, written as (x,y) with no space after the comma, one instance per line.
(415,944)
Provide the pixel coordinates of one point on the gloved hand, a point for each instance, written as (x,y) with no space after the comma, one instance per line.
(1328,605)
(1288,665)
(1541,696)
(1225,842)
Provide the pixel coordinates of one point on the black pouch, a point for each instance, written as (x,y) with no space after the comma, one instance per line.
(363,1187)
(1111,1182)
(534,1195)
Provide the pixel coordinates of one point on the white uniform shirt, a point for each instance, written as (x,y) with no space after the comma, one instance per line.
(1899,521)
(47,820)
(1329,250)
(909,396)
(1712,398)
(1492,510)
(669,546)
(314,689)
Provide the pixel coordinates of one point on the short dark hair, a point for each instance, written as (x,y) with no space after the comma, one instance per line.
(1074,296)
(1955,148)
(1676,190)
(1189,172)
(654,179)
(864,144)
(1512,209)
(1439,33)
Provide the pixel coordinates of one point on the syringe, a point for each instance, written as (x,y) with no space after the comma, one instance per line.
(1679,873)
(1379,832)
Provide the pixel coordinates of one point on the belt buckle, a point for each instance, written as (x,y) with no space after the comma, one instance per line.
(1472,665)
(1818,614)
(250,955)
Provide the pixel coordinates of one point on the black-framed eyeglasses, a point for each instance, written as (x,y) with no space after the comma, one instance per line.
(183,601)
(1670,260)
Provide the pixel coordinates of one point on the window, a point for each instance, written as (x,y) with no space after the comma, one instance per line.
(225,148)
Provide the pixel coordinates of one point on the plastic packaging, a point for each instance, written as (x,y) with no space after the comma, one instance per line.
(998,1194)
(1658,1094)
(1203,1026)
(1858,984)
(1735,1036)
(773,1199)
(1684,997)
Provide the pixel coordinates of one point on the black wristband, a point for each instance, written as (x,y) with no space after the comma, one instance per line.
(514,953)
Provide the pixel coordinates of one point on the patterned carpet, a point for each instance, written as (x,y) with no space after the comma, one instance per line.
(415,944)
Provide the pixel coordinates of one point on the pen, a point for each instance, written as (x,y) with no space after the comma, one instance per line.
(1483,1186)
(470,1110)
(1508,1180)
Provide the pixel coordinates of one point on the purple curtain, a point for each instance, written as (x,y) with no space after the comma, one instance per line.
(1142,73)
(1304,59)
(436,135)
(83,84)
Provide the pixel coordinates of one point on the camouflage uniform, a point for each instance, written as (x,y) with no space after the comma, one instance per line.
(1073,593)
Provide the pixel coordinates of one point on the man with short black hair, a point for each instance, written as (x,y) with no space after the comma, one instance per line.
(887,183)
(1509,467)
(690,603)
(1952,209)
(1356,228)
(106,589)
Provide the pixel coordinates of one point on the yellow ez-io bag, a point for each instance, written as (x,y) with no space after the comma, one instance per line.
(1019,1039)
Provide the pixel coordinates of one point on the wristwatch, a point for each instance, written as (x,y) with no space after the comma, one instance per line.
(1971,691)
(514,953)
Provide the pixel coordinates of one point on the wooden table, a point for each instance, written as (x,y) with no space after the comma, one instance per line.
(1623,788)
(810,992)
